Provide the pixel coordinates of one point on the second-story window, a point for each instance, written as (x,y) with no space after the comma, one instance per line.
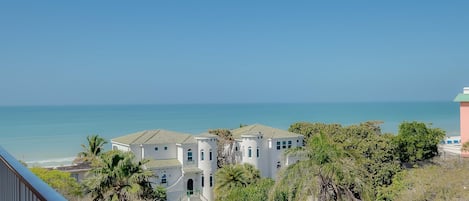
(278,145)
(284,144)
(249,152)
(189,155)
(210,154)
(202,155)
(289,143)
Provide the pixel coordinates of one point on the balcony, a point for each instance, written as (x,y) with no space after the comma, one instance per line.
(17,183)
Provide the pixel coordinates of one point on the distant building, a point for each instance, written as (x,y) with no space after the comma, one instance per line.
(77,171)
(186,164)
(463,99)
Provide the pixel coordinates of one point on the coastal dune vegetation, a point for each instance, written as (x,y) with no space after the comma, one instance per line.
(355,162)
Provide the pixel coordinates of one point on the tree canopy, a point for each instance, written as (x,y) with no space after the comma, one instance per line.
(117,177)
(417,141)
(60,181)
(93,149)
(231,178)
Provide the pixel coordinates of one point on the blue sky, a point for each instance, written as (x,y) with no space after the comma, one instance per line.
(149,52)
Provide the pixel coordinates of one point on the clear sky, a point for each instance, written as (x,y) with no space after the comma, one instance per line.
(149,52)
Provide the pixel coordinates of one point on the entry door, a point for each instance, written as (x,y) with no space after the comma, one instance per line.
(190,186)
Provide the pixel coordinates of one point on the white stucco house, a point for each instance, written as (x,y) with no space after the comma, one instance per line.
(186,164)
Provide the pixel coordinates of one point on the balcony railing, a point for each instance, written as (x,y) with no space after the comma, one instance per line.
(17,183)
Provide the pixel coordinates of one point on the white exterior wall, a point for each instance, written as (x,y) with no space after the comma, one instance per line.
(277,155)
(208,167)
(254,143)
(161,153)
(180,154)
(137,150)
(121,147)
(185,150)
(172,175)
(264,158)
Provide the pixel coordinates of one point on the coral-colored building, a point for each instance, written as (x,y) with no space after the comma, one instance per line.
(463,100)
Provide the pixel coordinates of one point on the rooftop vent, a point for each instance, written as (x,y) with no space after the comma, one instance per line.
(466,90)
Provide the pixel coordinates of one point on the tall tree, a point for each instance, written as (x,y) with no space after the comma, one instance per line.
(117,177)
(225,147)
(417,141)
(60,181)
(93,149)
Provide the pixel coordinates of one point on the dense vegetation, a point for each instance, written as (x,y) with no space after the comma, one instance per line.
(61,181)
(356,162)
(241,182)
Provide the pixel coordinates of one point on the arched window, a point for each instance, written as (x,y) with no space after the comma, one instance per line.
(249,152)
(257,152)
(202,155)
(189,154)
(210,154)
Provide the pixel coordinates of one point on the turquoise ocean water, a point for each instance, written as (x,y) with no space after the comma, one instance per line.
(51,135)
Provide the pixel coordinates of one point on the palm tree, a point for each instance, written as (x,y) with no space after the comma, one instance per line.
(230,176)
(251,173)
(117,177)
(233,176)
(93,149)
(328,173)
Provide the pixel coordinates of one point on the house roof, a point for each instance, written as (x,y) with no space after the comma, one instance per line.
(80,167)
(206,135)
(462,98)
(152,164)
(266,131)
(191,170)
(156,137)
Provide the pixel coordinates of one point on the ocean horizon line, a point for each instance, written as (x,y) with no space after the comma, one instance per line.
(227,103)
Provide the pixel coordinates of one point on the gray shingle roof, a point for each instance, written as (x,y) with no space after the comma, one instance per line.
(266,131)
(156,137)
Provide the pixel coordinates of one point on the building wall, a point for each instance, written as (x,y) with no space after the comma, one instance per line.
(208,167)
(172,175)
(120,147)
(164,151)
(185,149)
(180,154)
(251,143)
(464,124)
(277,159)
